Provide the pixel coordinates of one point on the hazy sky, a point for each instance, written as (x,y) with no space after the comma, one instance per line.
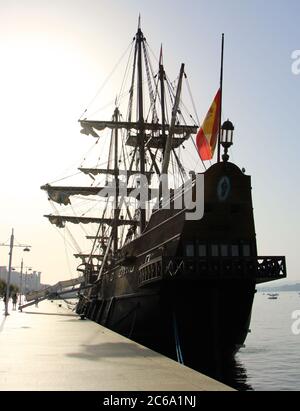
(56,53)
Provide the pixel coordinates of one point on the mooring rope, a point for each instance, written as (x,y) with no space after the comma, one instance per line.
(177,340)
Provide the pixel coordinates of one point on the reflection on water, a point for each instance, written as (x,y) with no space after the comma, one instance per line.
(231,372)
(234,374)
(271,356)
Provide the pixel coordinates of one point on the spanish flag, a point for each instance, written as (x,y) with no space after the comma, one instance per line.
(207,135)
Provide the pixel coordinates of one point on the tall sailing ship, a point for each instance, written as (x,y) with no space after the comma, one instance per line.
(183,287)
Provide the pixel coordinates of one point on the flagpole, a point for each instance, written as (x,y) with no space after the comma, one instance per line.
(221,98)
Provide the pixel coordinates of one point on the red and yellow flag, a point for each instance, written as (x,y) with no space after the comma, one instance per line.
(207,135)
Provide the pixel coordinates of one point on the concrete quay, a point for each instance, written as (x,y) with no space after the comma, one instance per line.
(48,348)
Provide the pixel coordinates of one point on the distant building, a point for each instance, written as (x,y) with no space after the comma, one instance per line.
(30,281)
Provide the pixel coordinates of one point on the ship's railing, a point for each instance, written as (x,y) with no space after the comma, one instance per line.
(261,269)
(151,271)
(270,268)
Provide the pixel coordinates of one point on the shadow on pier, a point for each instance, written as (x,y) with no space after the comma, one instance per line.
(113,349)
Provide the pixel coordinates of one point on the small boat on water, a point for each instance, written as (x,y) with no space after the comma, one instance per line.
(273,296)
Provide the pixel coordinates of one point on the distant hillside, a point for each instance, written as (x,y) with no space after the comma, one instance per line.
(282,287)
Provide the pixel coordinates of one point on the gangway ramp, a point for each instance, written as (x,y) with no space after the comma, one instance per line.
(52,292)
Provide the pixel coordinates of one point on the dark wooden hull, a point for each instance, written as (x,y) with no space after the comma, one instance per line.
(185,288)
(201,321)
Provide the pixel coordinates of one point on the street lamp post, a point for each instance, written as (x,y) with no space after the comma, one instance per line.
(21,278)
(11,246)
(9,271)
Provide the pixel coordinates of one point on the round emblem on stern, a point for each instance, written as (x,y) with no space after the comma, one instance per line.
(223,188)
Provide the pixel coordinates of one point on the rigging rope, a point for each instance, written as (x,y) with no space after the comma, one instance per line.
(106,80)
(76,163)
(192,99)
(64,178)
(199,155)
(124,77)
(130,103)
(75,244)
(156,83)
(149,80)
(67,257)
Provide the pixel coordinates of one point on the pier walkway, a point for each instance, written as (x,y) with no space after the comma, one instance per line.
(48,348)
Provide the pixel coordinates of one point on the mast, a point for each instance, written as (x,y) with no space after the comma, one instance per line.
(141,131)
(116,176)
(162,93)
(143,134)
(168,147)
(221,97)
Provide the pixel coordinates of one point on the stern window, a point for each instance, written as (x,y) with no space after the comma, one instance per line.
(215,250)
(235,250)
(202,250)
(189,250)
(224,250)
(246,250)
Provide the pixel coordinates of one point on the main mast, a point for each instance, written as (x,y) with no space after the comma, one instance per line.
(143,134)
(116,118)
(141,127)
(168,146)
(162,98)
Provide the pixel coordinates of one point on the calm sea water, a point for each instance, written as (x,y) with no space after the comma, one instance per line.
(270,360)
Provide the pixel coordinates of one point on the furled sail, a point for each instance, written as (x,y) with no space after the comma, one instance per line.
(88,127)
(112,171)
(83,256)
(61,194)
(60,221)
(88,130)
(156,141)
